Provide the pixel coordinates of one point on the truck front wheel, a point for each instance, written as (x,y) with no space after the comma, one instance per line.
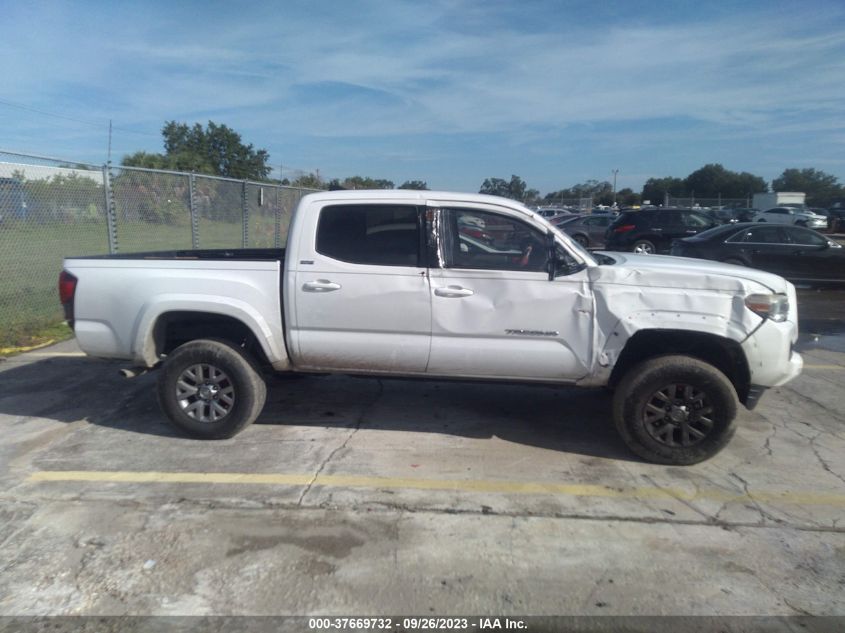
(675,410)
(210,389)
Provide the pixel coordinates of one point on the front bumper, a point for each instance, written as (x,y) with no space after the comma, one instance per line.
(772,361)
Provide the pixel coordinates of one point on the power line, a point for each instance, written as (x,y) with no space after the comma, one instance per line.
(103,124)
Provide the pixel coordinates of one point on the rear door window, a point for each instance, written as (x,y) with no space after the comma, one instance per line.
(381,235)
(669,219)
(695,220)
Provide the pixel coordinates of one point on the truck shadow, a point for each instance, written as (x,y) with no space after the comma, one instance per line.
(568,420)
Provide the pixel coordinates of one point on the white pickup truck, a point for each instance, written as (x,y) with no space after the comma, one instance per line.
(443,285)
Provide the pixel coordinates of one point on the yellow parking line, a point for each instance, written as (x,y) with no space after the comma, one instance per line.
(823,367)
(456,485)
(20,350)
(53,354)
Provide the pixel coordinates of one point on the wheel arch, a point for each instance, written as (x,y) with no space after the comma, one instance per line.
(653,239)
(177,327)
(723,353)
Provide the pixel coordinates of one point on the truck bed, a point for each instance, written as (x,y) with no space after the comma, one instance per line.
(249,254)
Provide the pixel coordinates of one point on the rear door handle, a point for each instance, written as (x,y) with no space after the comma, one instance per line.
(320,285)
(453,292)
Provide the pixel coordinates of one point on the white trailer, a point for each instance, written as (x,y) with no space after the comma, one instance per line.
(765,201)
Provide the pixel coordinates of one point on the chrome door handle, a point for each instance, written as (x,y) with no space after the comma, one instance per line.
(321,285)
(453,292)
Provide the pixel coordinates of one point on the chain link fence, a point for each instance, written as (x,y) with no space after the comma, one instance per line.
(51,209)
(583,205)
(709,203)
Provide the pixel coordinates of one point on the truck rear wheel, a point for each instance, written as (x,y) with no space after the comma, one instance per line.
(675,410)
(210,389)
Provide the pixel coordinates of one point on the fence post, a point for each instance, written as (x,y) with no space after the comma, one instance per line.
(278,219)
(245,210)
(111,211)
(195,221)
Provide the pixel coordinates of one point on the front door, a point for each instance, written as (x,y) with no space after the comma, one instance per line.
(494,311)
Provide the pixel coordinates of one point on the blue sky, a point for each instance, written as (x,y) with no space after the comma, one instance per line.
(447,92)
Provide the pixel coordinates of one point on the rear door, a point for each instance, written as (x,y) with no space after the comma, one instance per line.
(494,311)
(362,300)
(668,225)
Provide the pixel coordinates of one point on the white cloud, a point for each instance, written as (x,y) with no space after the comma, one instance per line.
(437,68)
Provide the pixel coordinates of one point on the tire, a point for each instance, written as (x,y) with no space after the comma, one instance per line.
(656,433)
(210,389)
(734,261)
(761,220)
(801,223)
(582,240)
(643,247)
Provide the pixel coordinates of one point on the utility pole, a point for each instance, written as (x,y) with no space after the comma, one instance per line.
(615,171)
(108,157)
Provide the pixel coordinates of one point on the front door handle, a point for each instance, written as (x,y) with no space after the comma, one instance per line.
(453,292)
(321,285)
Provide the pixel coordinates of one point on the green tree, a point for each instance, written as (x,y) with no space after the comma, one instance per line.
(359,182)
(515,189)
(215,149)
(655,189)
(714,180)
(601,192)
(627,198)
(532,196)
(821,188)
(308,181)
(149,161)
(420,185)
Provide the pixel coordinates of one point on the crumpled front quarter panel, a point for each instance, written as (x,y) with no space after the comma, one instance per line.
(629,299)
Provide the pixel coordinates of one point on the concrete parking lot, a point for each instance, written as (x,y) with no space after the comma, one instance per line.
(368,497)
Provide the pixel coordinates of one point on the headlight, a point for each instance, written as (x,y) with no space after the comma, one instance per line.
(774,307)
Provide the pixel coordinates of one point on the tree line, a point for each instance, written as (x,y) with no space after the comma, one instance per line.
(710,181)
(218,150)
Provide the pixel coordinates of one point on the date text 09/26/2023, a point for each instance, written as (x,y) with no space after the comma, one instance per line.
(415,624)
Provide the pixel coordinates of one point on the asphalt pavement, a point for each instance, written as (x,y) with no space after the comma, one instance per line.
(367,497)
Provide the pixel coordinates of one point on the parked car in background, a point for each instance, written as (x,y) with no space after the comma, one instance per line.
(650,231)
(728,215)
(587,230)
(794,252)
(836,220)
(550,212)
(792,215)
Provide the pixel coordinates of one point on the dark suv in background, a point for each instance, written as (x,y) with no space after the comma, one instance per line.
(651,231)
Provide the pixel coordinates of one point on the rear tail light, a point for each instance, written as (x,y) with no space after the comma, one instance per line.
(67,290)
(624,228)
